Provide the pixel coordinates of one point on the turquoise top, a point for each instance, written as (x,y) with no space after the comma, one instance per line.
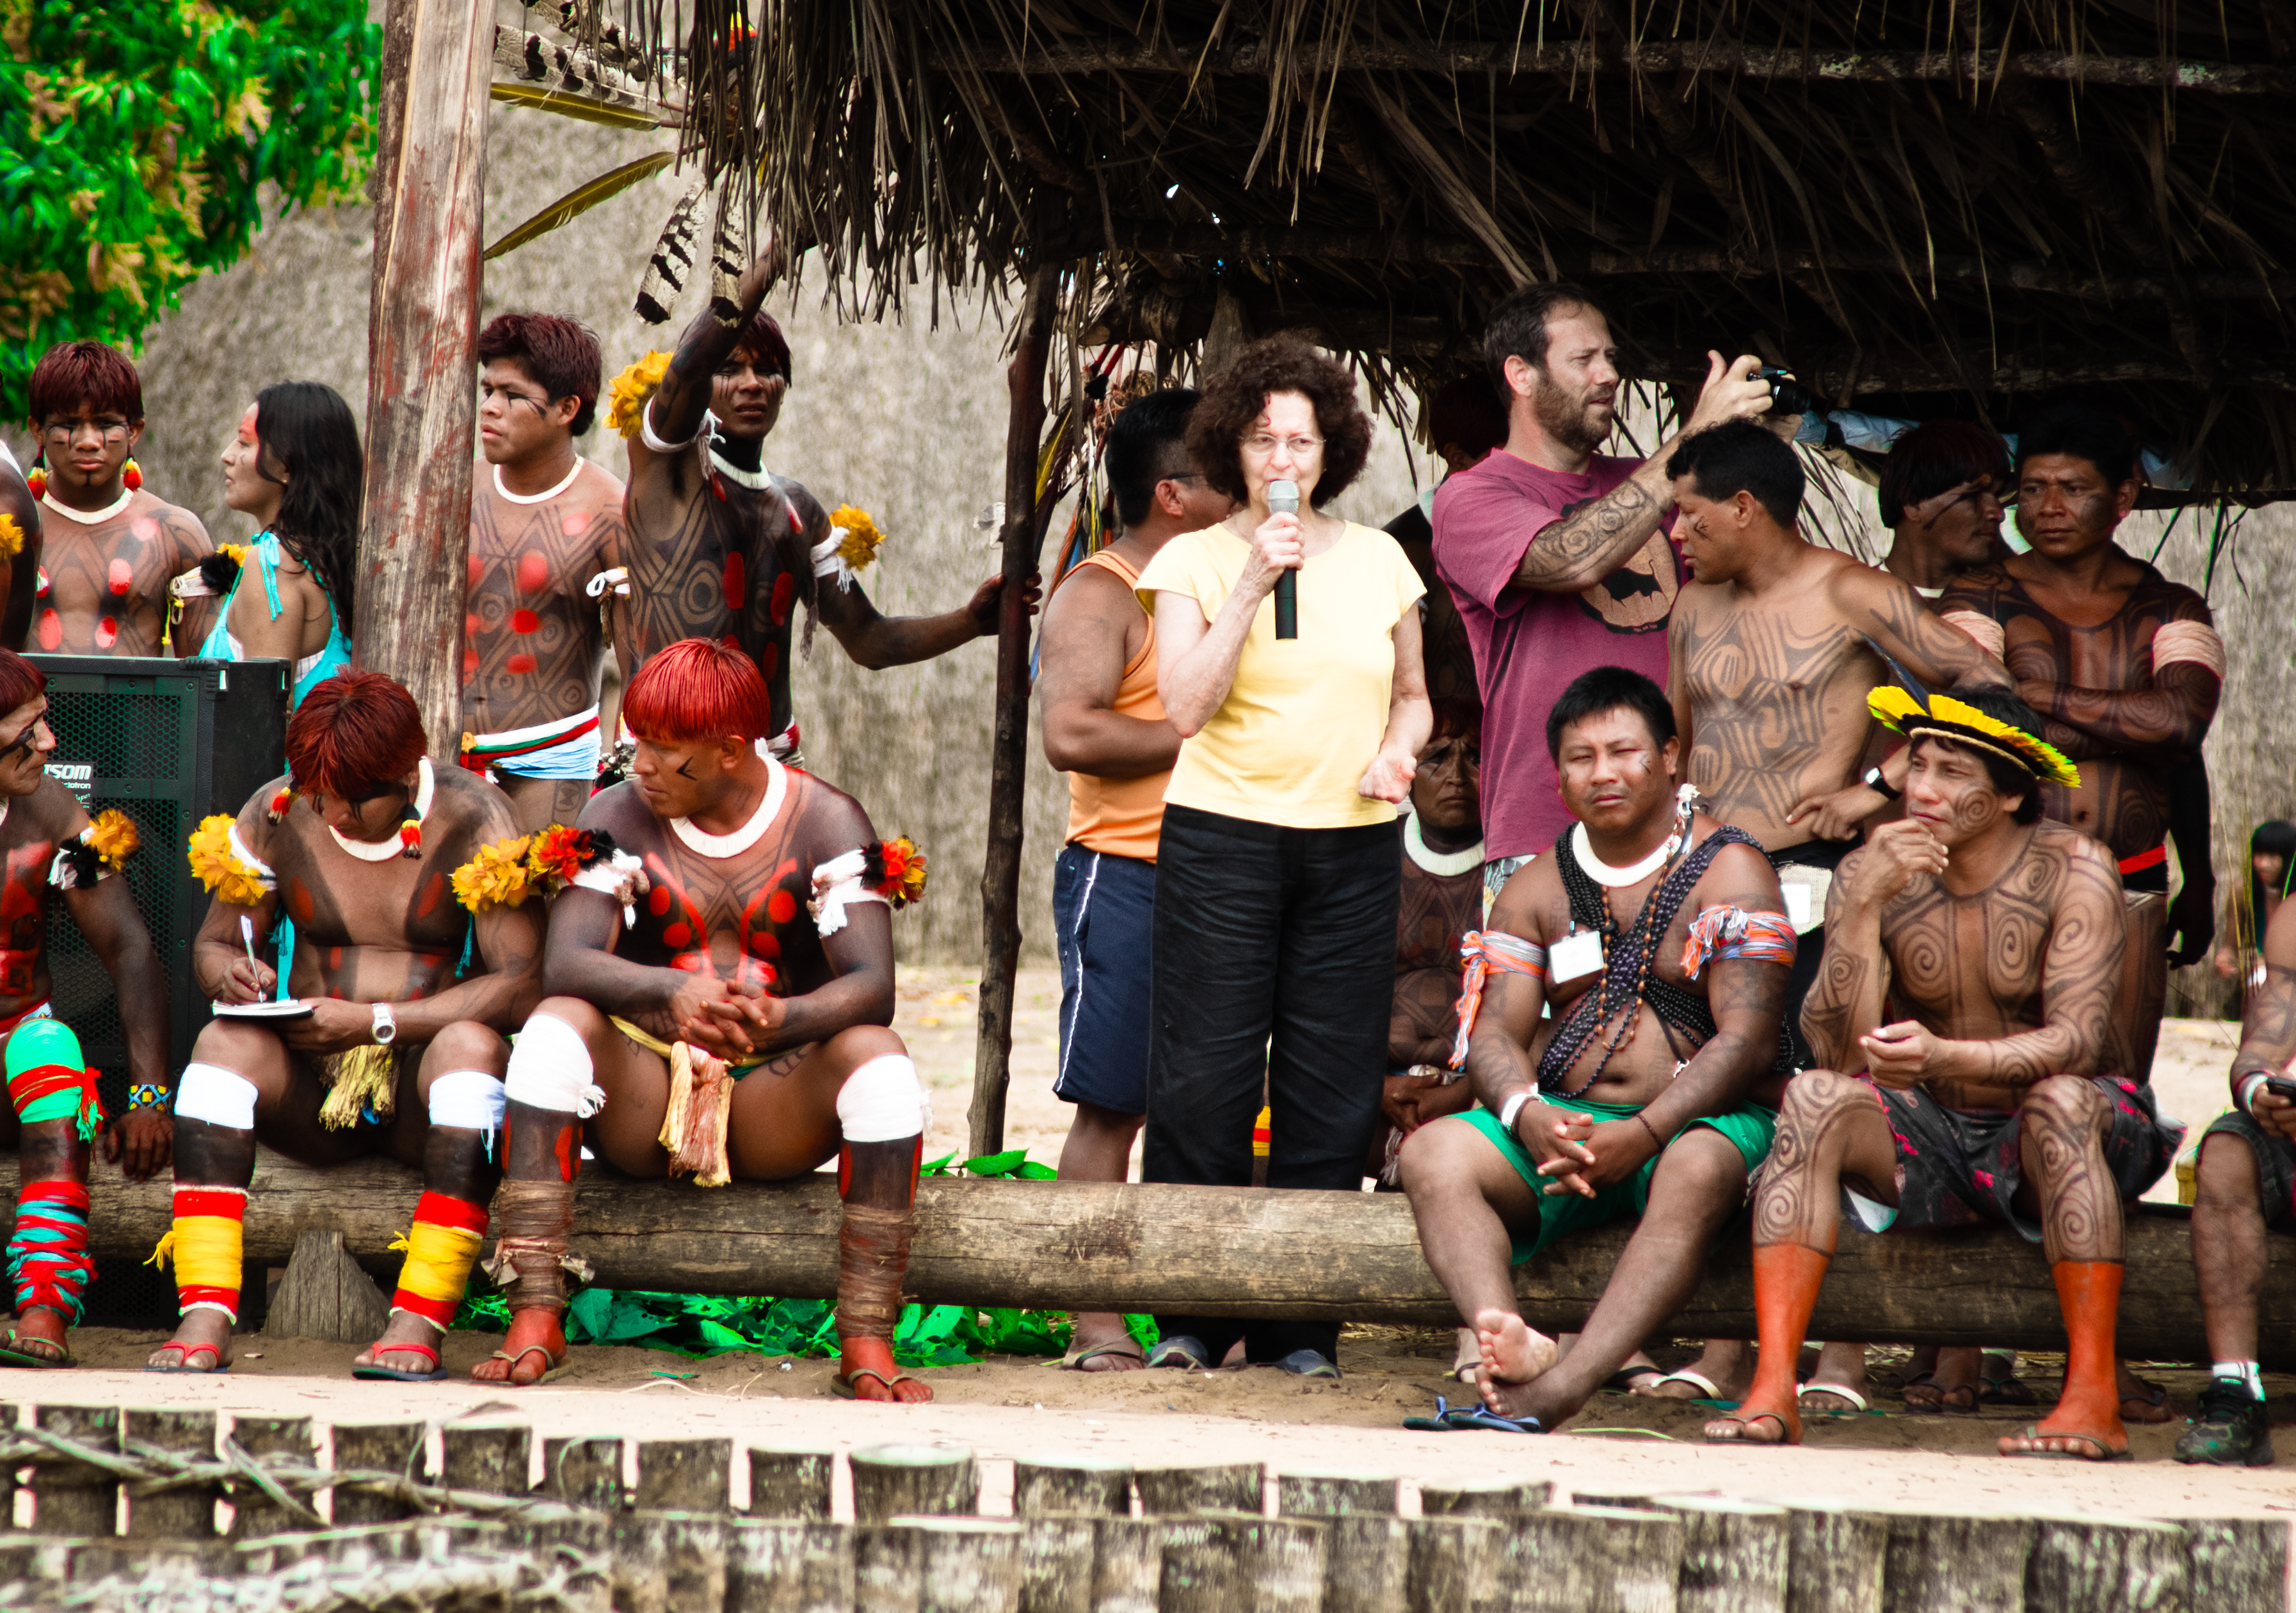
(310,670)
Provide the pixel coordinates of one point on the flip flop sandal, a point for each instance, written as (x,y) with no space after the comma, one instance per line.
(1074,1362)
(10,1355)
(1803,1391)
(1623,1380)
(1451,1419)
(553,1365)
(1696,1380)
(2005,1388)
(2032,1430)
(190,1350)
(376,1370)
(2151,1397)
(1439,1423)
(1747,1421)
(1940,1402)
(1190,1351)
(1465,1372)
(843,1388)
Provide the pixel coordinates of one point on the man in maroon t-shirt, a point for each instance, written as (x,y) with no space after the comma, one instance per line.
(1557,556)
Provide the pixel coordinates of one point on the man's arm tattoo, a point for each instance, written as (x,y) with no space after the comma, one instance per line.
(1592,541)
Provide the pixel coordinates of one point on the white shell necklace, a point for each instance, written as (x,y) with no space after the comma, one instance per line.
(90,518)
(382,851)
(1442,864)
(733,845)
(1618,879)
(538,498)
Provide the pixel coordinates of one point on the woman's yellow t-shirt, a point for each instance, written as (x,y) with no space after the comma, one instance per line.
(1305,715)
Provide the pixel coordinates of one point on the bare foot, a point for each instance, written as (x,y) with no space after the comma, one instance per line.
(202,1336)
(535,1344)
(879,1378)
(37,1333)
(1728,1365)
(1839,1366)
(1099,1343)
(390,1352)
(1952,1385)
(1512,1353)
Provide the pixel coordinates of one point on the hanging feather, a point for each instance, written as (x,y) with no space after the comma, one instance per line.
(569,104)
(579,201)
(672,260)
(728,259)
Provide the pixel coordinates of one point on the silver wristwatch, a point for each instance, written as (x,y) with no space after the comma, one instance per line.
(386,1029)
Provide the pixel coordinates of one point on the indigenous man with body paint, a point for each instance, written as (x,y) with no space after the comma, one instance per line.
(720,546)
(721,980)
(416,950)
(20,545)
(1963,1019)
(545,546)
(1651,936)
(2126,669)
(52,846)
(112,546)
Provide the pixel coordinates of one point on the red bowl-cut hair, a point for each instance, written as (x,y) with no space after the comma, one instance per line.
(356,735)
(21,681)
(73,373)
(699,689)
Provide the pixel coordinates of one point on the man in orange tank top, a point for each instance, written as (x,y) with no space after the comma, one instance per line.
(1104,727)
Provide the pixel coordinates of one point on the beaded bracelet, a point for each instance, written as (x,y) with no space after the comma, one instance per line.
(147,1097)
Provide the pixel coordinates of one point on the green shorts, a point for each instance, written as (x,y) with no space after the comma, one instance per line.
(1750,1128)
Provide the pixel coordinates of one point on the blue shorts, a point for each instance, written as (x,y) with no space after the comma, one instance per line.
(1104,908)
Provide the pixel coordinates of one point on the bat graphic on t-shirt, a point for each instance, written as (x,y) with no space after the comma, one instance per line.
(1639,595)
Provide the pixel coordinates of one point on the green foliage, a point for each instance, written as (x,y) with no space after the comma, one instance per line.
(710,1325)
(140,141)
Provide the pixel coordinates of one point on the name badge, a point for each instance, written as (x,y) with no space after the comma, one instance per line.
(1575,955)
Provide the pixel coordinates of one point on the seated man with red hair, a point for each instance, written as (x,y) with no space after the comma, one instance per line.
(111,547)
(416,950)
(51,846)
(721,979)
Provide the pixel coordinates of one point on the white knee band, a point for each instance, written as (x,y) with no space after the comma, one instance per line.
(217,1095)
(882,1100)
(467,1097)
(550,1069)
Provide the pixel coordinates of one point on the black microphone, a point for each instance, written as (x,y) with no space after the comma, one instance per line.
(1284,499)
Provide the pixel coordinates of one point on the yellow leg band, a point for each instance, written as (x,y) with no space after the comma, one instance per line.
(439,1260)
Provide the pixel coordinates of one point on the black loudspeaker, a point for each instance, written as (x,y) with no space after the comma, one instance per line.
(167,742)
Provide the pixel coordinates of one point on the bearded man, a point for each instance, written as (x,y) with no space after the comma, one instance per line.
(1556,555)
(112,547)
(721,978)
(405,996)
(1652,934)
(1995,939)
(720,546)
(52,848)
(545,541)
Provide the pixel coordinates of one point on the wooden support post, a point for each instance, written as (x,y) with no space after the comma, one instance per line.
(1454,1564)
(1056,1554)
(684,1475)
(890,1480)
(1236,1487)
(1127,1560)
(385,1447)
(422,327)
(271,1441)
(1273,1565)
(1367,1564)
(2084,1563)
(790,1483)
(1484,1497)
(489,1456)
(1949,1562)
(1834,1556)
(669,1562)
(70,1497)
(1733,1554)
(887,1569)
(967,1565)
(1082,1487)
(1309,1494)
(2237,1565)
(583,1470)
(1000,874)
(1595,1560)
(788,1566)
(184,1514)
(325,1294)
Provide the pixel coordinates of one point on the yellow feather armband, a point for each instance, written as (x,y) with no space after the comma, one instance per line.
(235,881)
(497,876)
(628,394)
(12,536)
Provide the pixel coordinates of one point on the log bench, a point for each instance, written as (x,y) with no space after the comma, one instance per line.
(1225,1251)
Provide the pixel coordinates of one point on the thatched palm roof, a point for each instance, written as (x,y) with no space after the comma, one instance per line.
(1923,205)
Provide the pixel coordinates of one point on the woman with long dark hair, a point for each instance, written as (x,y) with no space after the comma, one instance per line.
(295,465)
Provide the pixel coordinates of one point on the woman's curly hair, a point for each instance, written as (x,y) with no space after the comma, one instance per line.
(1234,400)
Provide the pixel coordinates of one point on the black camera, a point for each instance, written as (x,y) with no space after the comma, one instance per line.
(1787,395)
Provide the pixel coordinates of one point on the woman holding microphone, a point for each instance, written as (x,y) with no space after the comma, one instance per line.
(1278,874)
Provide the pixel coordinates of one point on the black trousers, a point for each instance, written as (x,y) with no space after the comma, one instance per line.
(1274,959)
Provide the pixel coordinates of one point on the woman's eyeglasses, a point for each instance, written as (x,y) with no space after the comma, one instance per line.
(1301,446)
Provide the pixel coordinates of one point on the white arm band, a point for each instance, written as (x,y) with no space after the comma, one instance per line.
(269,879)
(646,433)
(828,563)
(617,577)
(1512,1107)
(2248,1091)
(837,885)
(622,877)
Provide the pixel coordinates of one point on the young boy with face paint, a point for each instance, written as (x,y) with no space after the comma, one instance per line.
(50,847)
(111,547)
(1998,935)
(413,966)
(721,969)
